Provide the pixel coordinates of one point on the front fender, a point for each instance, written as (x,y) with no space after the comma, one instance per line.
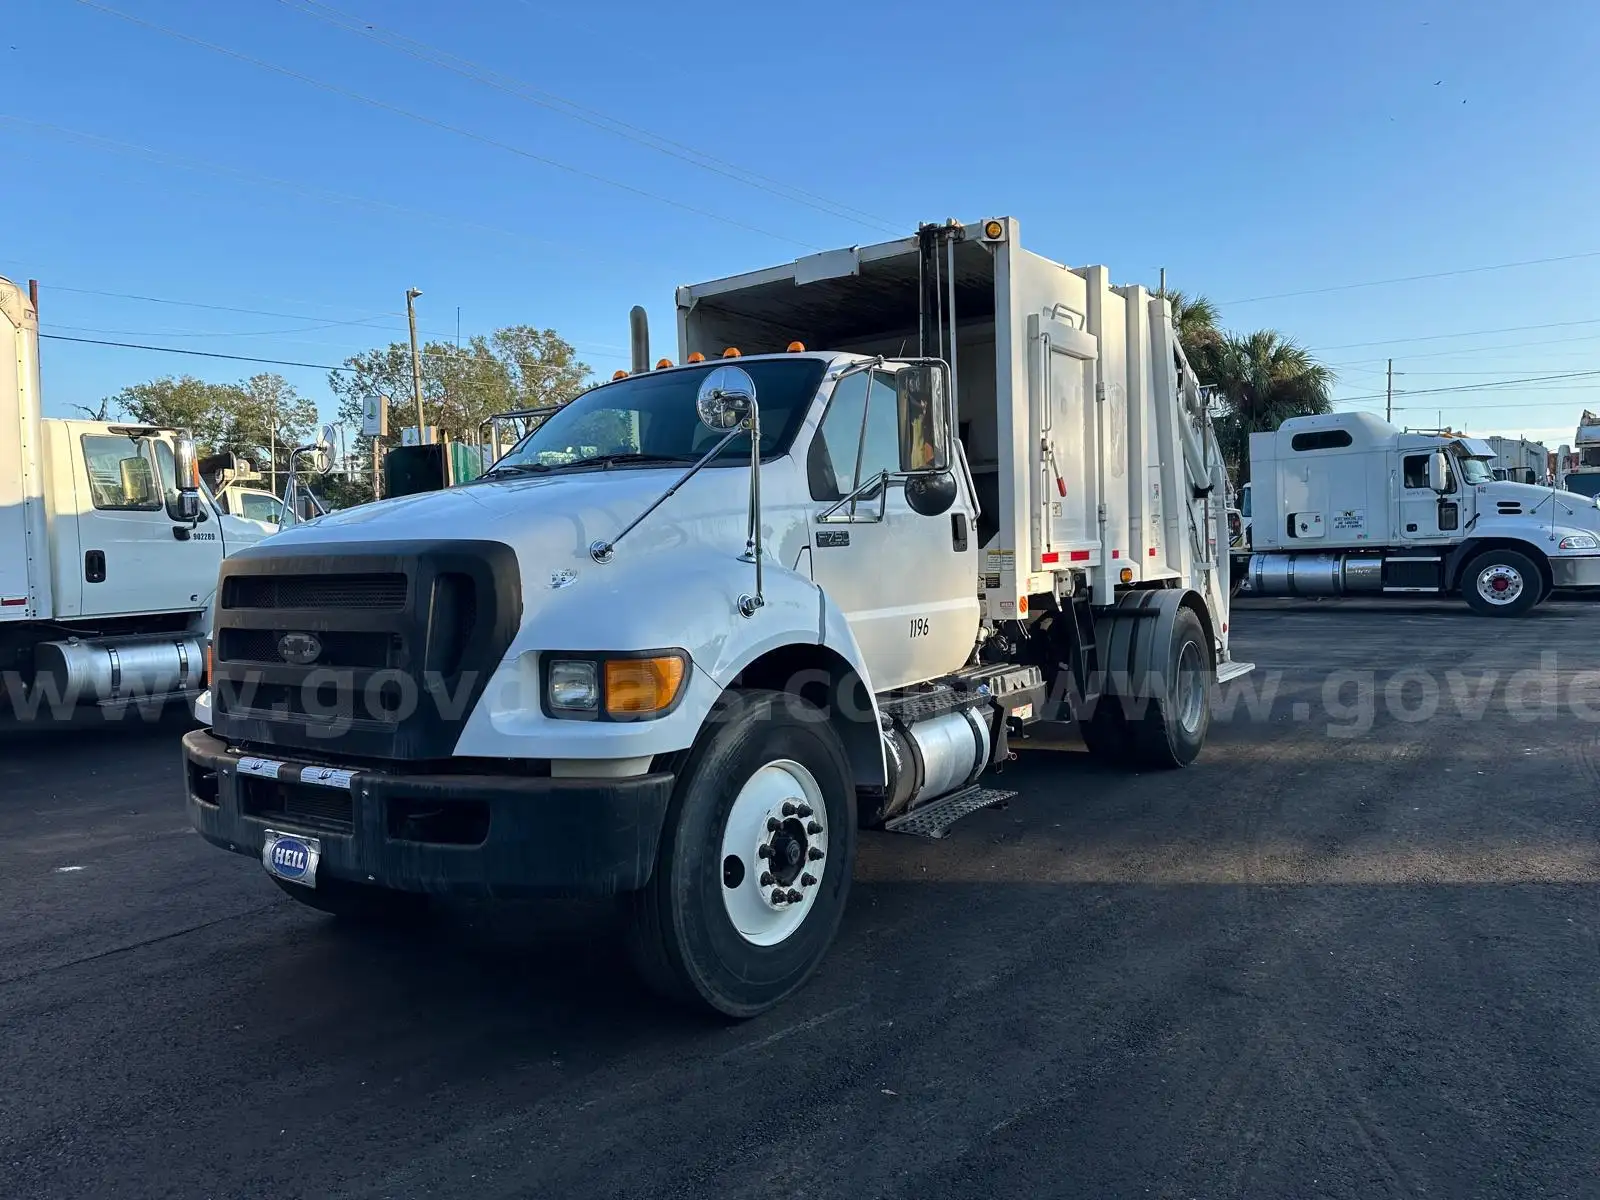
(686,600)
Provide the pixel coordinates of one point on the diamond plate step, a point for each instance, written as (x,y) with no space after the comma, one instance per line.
(934,820)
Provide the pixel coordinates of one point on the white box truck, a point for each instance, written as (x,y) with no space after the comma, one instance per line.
(1345,504)
(896,504)
(1580,466)
(1519,460)
(108,548)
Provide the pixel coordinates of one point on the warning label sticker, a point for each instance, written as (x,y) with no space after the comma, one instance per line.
(1351,522)
(997,563)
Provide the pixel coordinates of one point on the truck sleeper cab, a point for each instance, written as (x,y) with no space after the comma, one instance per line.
(707,620)
(1346,504)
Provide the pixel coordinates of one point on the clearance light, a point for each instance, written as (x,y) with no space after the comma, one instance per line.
(1126,575)
(697,357)
(732,352)
(642,687)
(797,347)
(619,375)
(663,364)
(993,230)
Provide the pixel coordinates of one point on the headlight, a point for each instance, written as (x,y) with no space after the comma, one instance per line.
(574,685)
(616,687)
(1580,541)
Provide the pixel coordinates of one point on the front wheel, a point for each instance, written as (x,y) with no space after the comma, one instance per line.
(1501,583)
(755,860)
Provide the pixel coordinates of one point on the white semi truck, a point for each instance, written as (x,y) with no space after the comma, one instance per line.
(1345,504)
(896,504)
(108,548)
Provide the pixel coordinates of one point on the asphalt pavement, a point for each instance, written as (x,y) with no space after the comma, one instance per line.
(1352,952)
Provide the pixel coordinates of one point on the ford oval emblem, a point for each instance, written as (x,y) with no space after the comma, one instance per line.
(301,649)
(291,858)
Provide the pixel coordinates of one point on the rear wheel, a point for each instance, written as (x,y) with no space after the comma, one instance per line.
(1501,583)
(359,903)
(1175,722)
(1155,711)
(755,860)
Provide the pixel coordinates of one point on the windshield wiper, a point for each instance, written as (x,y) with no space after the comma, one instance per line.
(522,468)
(631,456)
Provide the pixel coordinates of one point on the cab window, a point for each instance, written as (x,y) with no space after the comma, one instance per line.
(859,436)
(122,473)
(1416,472)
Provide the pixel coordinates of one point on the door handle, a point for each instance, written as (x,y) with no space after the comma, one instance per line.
(958,532)
(180,532)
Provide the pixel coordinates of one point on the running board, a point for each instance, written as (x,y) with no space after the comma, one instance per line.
(1232,670)
(933,820)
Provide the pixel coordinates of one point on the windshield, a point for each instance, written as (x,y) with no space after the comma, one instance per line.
(1587,484)
(652,417)
(1475,470)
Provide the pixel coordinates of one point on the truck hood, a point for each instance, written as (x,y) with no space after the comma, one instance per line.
(1571,510)
(553,517)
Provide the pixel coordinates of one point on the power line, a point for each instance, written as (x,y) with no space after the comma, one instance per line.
(1476,387)
(466,68)
(277,362)
(1348,287)
(385,106)
(1436,337)
(1587,337)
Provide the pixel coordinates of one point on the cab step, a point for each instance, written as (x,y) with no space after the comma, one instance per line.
(933,820)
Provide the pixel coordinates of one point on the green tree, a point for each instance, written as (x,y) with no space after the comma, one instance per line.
(516,367)
(1195,319)
(225,417)
(1261,380)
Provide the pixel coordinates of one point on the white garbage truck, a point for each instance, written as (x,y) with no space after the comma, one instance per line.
(894,505)
(1345,504)
(109,549)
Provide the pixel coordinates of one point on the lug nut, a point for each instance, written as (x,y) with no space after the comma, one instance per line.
(808,880)
(779,895)
(766,879)
(813,827)
(814,854)
(789,810)
(794,897)
(763,851)
(803,811)
(773,824)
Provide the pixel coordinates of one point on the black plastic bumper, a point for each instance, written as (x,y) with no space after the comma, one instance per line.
(473,835)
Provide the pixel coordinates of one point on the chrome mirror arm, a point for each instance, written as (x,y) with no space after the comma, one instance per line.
(601,551)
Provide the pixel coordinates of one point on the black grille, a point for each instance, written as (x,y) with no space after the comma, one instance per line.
(302,805)
(387,591)
(375,649)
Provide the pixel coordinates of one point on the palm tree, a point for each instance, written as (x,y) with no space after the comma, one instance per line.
(1261,380)
(1195,319)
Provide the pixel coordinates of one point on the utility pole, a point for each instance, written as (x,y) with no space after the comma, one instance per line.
(416,359)
(1163,283)
(272,420)
(1388,406)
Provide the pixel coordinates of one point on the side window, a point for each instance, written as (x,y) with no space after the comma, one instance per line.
(859,436)
(1415,470)
(122,476)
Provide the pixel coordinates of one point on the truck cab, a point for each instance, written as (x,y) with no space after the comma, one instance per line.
(1347,504)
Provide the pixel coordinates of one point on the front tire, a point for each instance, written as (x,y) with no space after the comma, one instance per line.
(1501,583)
(755,860)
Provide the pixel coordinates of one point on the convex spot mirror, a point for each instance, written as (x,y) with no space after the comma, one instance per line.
(726,399)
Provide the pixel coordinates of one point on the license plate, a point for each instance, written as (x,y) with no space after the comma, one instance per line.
(292,857)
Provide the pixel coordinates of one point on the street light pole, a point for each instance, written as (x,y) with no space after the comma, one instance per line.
(416,359)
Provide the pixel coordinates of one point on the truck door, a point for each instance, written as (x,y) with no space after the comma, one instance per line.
(1425,515)
(136,557)
(906,583)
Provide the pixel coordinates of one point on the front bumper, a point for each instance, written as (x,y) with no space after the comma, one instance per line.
(471,835)
(1575,572)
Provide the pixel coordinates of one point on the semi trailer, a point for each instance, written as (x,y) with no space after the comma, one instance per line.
(109,548)
(890,507)
(1345,504)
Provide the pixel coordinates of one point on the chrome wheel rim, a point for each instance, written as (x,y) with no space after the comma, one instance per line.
(774,848)
(1499,584)
(1191,691)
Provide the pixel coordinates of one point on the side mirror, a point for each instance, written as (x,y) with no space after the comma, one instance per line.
(726,399)
(186,470)
(922,398)
(931,493)
(1439,472)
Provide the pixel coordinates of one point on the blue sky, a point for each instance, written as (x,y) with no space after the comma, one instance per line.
(1252,149)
